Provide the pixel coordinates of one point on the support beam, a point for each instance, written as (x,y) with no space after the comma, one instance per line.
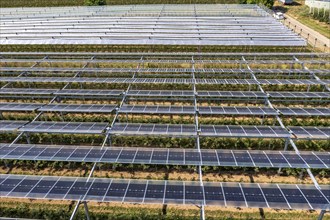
(279,120)
(55,98)
(200,173)
(75,210)
(108,137)
(50,102)
(311,73)
(23,73)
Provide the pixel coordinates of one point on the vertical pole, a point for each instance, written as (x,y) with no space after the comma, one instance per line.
(321,215)
(279,120)
(74,211)
(86,211)
(285,149)
(200,173)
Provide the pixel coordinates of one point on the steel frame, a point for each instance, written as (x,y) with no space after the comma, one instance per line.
(107,139)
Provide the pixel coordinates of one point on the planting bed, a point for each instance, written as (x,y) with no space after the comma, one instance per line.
(110,114)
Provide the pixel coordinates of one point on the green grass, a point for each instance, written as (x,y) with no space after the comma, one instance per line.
(147,48)
(63,211)
(300,12)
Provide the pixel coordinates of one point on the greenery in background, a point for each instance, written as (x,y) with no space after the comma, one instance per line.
(95,2)
(267,3)
(320,15)
(298,10)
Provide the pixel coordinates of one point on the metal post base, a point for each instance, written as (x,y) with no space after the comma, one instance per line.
(86,211)
(202,213)
(76,209)
(321,215)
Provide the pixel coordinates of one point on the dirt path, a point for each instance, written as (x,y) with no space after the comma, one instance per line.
(314,38)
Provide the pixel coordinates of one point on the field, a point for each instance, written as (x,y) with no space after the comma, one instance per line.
(62,210)
(160,131)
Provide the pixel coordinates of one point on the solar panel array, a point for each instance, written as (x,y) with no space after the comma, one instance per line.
(147,25)
(169,156)
(165,192)
(121,89)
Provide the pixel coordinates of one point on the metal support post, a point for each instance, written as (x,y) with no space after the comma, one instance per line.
(200,173)
(321,215)
(279,120)
(86,210)
(75,211)
(285,148)
(28,140)
(106,139)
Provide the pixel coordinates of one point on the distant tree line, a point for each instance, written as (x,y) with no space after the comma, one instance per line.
(95,2)
(267,3)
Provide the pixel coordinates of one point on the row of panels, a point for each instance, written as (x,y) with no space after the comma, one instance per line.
(146,60)
(166,93)
(40,70)
(169,156)
(161,109)
(36,12)
(166,192)
(174,55)
(132,129)
(131,40)
(125,28)
(166,81)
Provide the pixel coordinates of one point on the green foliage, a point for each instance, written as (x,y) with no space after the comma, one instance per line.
(320,15)
(95,2)
(267,3)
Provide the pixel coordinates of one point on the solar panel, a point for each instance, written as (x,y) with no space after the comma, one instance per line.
(304,111)
(316,158)
(241,158)
(88,92)
(275,197)
(64,127)
(26,91)
(12,106)
(244,131)
(163,192)
(318,95)
(157,26)
(160,93)
(311,132)
(254,196)
(162,81)
(315,198)
(232,94)
(153,129)
(198,83)
(96,80)
(326,81)
(290,82)
(10,126)
(90,70)
(157,109)
(217,110)
(84,108)
(295,197)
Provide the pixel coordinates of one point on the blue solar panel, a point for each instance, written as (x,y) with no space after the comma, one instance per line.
(170,156)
